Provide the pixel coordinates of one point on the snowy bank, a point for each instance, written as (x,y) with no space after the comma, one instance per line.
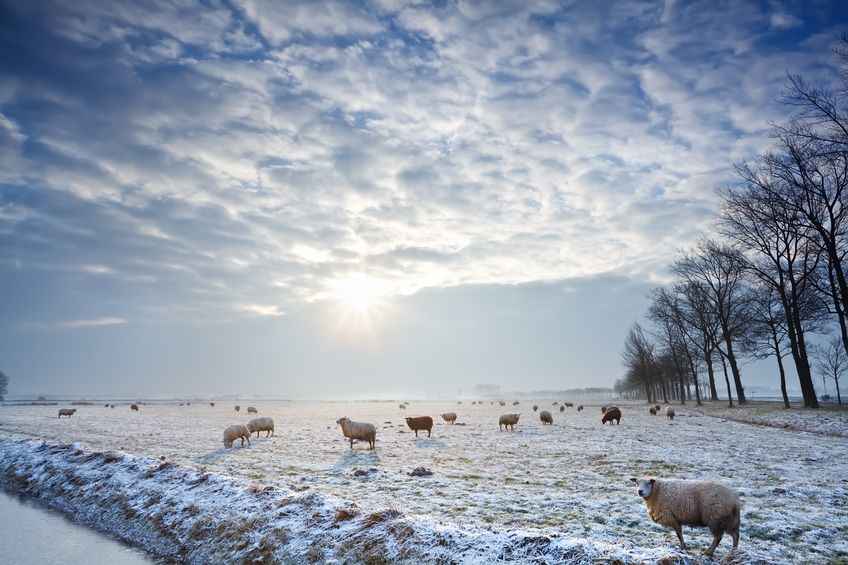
(195,517)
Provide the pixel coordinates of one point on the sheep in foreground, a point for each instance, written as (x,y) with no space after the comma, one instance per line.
(66,412)
(508,421)
(420,423)
(705,504)
(252,410)
(669,412)
(134,407)
(546,417)
(611,413)
(449,417)
(235,432)
(358,431)
(264,424)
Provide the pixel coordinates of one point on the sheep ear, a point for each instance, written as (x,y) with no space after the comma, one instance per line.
(634,480)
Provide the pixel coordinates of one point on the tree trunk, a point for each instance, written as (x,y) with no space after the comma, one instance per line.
(726,379)
(708,359)
(694,378)
(838,394)
(737,378)
(808,389)
(779,355)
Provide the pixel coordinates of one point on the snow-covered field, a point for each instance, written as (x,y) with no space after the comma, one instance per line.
(540,494)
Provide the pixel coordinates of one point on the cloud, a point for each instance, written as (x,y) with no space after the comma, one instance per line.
(261,310)
(95,323)
(208,158)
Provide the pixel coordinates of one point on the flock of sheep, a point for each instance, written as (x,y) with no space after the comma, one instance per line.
(670,503)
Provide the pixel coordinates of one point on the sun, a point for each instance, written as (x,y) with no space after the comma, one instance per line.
(358,292)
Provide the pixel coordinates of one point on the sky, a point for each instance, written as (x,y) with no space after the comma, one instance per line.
(393,197)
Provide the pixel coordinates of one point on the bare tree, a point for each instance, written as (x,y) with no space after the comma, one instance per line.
(832,362)
(720,270)
(638,357)
(768,333)
(697,315)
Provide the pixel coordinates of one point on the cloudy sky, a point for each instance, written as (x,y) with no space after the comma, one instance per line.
(327,199)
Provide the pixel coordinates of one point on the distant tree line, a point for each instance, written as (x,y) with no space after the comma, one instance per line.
(773,278)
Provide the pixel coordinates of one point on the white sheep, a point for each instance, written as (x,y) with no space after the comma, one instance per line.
(669,412)
(676,503)
(235,432)
(263,424)
(359,431)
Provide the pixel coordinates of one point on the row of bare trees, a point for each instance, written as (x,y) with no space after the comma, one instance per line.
(775,276)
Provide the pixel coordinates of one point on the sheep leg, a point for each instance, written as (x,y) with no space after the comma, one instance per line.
(428,432)
(717,535)
(679,529)
(735,535)
(351,443)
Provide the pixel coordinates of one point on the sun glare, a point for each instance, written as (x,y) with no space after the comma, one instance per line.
(359,293)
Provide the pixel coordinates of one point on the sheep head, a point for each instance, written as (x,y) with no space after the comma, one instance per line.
(645,487)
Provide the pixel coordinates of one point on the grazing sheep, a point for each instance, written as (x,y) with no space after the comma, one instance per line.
(501,402)
(449,417)
(570,404)
(111,406)
(516,403)
(562,408)
(235,432)
(212,404)
(134,407)
(580,408)
(238,408)
(264,424)
(611,413)
(508,421)
(67,412)
(555,403)
(459,402)
(105,406)
(669,412)
(358,431)
(535,407)
(653,411)
(252,410)
(675,503)
(420,423)
(546,417)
